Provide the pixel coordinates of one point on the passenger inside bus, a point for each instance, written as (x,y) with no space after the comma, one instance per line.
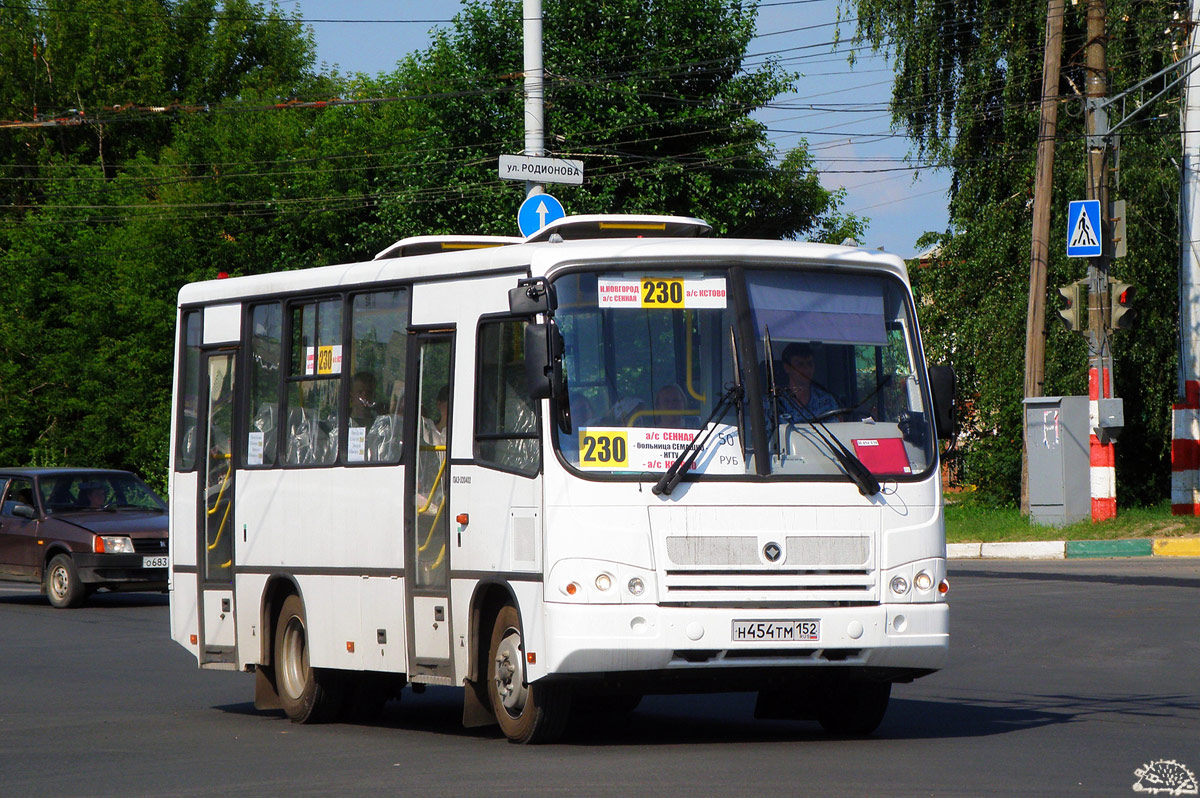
(363,407)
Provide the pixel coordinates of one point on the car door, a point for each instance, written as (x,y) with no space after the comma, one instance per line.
(19,555)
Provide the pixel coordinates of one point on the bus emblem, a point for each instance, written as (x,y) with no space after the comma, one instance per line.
(772,551)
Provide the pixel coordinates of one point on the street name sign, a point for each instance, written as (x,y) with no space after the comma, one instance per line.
(537,211)
(541,170)
(1083,229)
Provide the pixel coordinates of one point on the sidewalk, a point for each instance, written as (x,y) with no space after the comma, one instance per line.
(1071,549)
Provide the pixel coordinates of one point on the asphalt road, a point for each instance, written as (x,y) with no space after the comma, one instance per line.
(1065,677)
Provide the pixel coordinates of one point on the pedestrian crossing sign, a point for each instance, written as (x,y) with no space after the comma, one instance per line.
(1083,229)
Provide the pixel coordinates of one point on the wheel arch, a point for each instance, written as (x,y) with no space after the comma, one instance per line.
(276,591)
(489,597)
(53,549)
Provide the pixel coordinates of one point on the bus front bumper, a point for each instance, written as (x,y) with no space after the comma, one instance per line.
(607,639)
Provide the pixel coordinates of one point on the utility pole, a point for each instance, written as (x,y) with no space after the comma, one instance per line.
(1103,470)
(535,87)
(1035,317)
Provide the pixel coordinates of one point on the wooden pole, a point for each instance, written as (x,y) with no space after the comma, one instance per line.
(1035,317)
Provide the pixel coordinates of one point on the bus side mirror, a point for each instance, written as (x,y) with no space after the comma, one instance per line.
(543,360)
(942,387)
(532,296)
(24,511)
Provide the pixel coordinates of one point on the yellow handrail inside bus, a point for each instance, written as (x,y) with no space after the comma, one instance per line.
(640,413)
(217,504)
(221,528)
(425,447)
(224,483)
(440,558)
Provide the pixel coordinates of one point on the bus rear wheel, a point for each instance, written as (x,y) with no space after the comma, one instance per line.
(308,695)
(853,707)
(527,713)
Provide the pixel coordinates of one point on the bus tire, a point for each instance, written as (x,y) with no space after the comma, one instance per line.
(62,584)
(527,713)
(308,695)
(853,707)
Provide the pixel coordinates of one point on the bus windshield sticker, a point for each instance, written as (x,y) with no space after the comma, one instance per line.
(640,449)
(661,292)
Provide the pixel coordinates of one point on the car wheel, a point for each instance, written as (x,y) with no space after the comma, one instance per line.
(308,695)
(62,584)
(527,713)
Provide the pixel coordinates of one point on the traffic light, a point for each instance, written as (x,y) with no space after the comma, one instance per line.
(1120,299)
(1074,315)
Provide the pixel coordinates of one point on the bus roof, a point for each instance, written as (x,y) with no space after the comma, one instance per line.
(537,257)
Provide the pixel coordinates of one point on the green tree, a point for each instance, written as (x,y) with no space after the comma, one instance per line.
(92,251)
(115,206)
(654,98)
(967,90)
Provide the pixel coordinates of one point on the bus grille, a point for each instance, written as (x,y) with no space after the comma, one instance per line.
(817,569)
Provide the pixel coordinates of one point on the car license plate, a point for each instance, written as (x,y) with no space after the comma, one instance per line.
(777,631)
(155,562)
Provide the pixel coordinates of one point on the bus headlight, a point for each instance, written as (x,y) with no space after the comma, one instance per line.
(899,585)
(603,582)
(923,581)
(636,586)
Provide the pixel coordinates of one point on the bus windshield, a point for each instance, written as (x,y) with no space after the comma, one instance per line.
(648,356)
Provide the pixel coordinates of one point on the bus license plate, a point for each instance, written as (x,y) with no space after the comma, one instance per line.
(155,562)
(778,631)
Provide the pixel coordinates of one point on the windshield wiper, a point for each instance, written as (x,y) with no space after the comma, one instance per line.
(684,461)
(854,468)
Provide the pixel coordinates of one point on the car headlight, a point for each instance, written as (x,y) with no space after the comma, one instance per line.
(113,544)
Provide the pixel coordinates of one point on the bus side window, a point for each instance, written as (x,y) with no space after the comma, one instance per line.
(378,349)
(506,419)
(266,346)
(189,392)
(314,383)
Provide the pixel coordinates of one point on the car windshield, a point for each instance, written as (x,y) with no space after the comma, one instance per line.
(91,491)
(649,355)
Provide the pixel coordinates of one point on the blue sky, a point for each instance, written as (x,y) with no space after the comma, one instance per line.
(854,149)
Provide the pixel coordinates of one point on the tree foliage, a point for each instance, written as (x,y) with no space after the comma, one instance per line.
(158,144)
(968,90)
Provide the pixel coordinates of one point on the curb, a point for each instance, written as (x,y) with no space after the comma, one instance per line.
(1075,549)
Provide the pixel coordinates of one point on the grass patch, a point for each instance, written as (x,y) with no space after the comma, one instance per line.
(969,521)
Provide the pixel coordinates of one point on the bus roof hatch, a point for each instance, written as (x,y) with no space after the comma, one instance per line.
(428,245)
(573,228)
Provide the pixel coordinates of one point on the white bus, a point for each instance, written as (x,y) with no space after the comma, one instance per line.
(618,457)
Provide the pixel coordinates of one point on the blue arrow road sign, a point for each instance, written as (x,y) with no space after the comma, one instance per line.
(537,211)
(1083,229)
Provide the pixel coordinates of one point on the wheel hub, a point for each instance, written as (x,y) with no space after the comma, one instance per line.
(58,582)
(293,670)
(509,673)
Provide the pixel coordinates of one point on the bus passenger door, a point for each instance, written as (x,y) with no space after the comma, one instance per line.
(216,501)
(427,515)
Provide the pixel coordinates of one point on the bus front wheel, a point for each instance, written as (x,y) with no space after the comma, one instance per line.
(853,707)
(308,695)
(527,713)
